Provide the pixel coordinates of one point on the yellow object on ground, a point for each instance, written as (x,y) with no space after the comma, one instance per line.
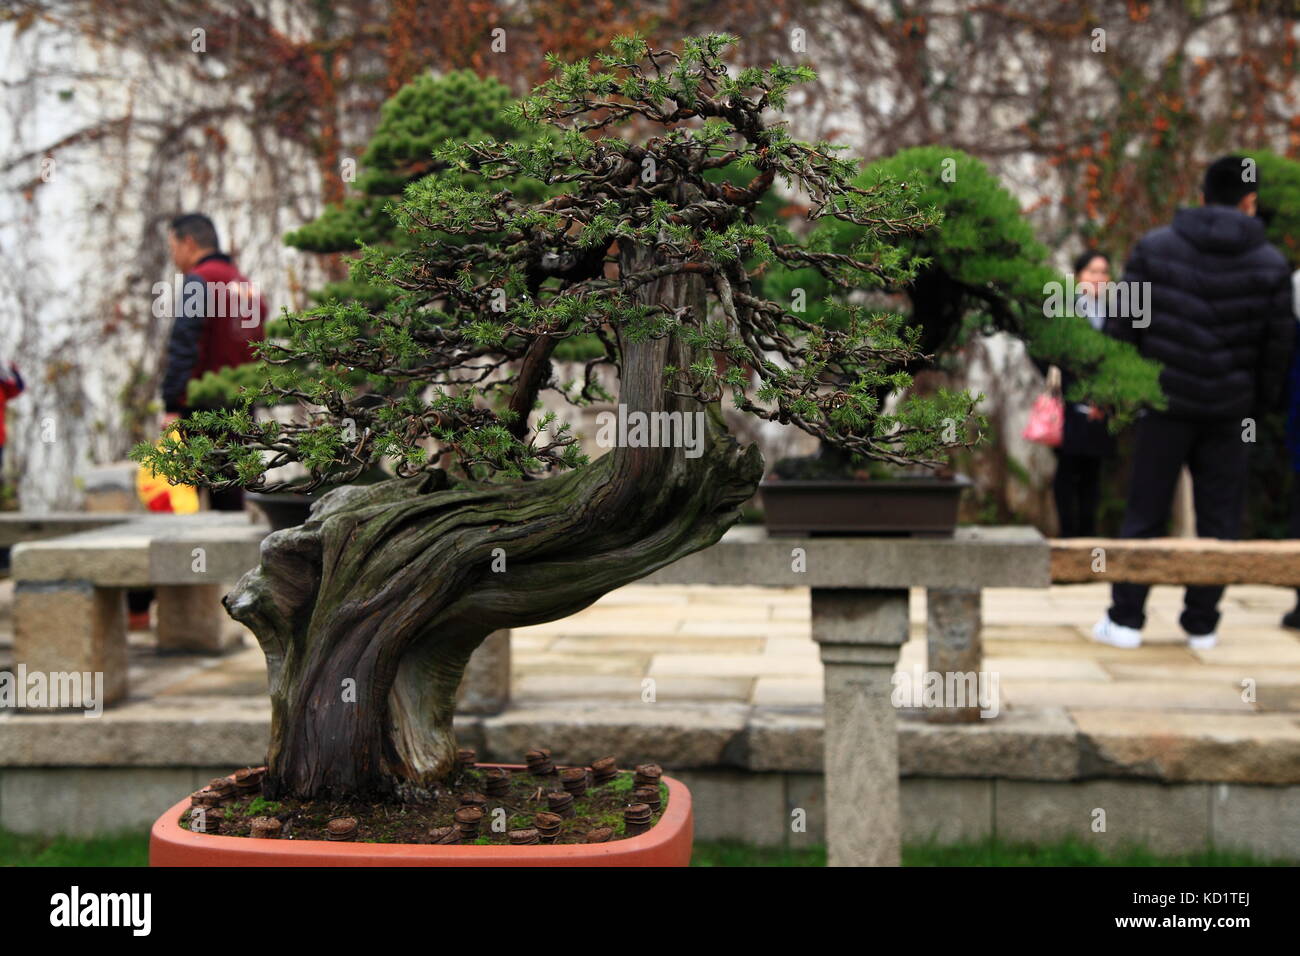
(158,494)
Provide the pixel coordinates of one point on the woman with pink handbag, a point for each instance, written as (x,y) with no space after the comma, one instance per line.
(1075,431)
(1047,417)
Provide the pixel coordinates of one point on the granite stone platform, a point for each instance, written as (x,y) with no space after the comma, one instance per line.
(1180,747)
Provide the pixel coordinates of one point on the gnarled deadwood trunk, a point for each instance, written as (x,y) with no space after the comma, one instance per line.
(369,612)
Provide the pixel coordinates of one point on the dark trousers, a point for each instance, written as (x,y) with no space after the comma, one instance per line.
(1077,489)
(1294,528)
(1217,458)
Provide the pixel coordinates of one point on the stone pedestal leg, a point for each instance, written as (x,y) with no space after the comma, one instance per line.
(860,633)
(485,688)
(71,627)
(954,649)
(192,620)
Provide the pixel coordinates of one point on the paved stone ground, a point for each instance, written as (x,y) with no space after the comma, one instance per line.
(752,645)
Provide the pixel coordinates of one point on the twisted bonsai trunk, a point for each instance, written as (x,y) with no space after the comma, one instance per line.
(391,586)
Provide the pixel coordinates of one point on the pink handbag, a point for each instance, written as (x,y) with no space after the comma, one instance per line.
(1047,417)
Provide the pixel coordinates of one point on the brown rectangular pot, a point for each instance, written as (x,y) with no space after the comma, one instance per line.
(919,506)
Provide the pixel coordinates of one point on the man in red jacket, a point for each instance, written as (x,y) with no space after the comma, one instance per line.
(219,315)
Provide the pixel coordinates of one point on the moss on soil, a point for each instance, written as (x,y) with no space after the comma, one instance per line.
(601,806)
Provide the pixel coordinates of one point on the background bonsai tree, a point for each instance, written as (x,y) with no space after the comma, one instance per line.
(413,122)
(1268,499)
(495,520)
(980,270)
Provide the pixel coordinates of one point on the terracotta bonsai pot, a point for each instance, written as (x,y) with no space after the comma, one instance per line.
(668,843)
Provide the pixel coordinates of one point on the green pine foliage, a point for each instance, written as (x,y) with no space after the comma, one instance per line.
(225,389)
(981,269)
(504,254)
(1279,201)
(416,121)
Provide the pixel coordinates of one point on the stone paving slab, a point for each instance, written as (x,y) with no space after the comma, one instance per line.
(1248,657)
(1252,748)
(603,644)
(1275,676)
(1173,695)
(788,692)
(734,665)
(540,687)
(1047,669)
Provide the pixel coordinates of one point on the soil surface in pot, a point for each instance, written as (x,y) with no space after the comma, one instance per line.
(601,806)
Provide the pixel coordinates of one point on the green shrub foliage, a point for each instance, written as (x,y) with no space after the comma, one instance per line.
(980,270)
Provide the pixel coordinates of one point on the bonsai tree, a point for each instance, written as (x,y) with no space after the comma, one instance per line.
(1279,178)
(981,269)
(413,122)
(495,520)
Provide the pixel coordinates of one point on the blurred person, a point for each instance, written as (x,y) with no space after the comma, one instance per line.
(218,317)
(1085,438)
(1292,618)
(11,386)
(1219,319)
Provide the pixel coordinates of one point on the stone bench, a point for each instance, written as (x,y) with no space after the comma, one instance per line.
(953,578)
(859,602)
(1175,561)
(70,605)
(70,591)
(859,617)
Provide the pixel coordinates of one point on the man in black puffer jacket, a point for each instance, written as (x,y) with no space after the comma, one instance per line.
(1218,317)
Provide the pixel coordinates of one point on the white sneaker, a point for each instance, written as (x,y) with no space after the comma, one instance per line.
(1202,642)
(1116,635)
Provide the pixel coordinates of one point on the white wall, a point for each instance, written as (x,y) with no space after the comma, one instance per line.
(83,241)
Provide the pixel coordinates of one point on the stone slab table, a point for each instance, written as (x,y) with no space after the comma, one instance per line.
(70,591)
(70,599)
(859,589)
